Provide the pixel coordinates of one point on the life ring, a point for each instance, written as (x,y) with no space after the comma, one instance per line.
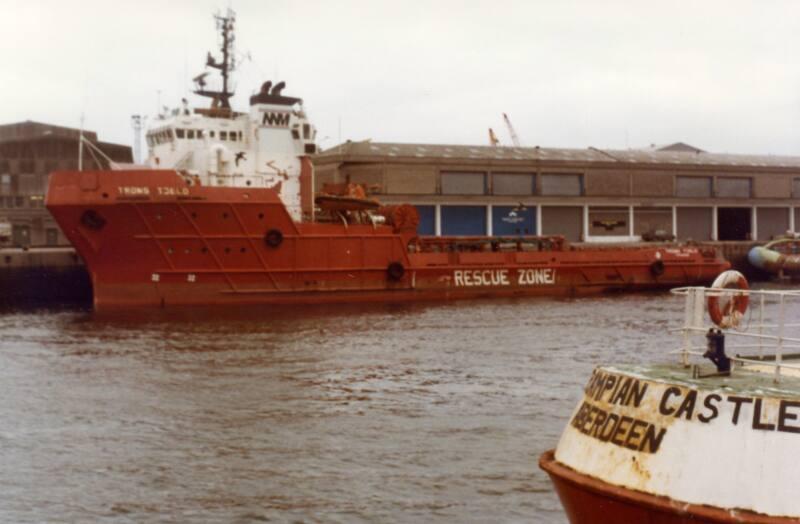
(273,238)
(92,220)
(727,309)
(657,268)
(395,271)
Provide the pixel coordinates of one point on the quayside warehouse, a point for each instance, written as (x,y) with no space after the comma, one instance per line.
(591,195)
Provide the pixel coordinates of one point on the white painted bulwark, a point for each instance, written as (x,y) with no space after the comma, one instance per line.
(712,446)
(718,433)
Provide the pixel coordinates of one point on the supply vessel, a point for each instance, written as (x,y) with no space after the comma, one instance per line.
(226,212)
(690,440)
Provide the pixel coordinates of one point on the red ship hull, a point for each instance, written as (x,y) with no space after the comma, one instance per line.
(588,500)
(155,238)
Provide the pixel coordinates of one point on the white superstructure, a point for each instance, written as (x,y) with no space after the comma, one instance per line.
(221,147)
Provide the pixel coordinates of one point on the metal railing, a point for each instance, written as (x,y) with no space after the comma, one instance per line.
(769,340)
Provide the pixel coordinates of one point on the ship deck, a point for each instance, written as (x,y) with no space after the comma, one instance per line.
(748,380)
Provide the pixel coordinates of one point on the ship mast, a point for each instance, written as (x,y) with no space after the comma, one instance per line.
(220,99)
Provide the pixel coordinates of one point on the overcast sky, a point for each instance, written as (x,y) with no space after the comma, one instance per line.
(721,75)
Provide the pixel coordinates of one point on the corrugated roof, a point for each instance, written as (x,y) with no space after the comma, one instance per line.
(594,155)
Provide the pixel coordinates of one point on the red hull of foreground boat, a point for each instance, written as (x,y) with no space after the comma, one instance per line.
(587,500)
(153,238)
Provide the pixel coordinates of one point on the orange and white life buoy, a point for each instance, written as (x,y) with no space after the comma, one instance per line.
(727,309)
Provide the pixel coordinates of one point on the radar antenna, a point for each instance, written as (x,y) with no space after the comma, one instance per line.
(220,99)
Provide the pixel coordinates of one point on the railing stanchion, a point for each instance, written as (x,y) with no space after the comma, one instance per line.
(779,352)
(761,328)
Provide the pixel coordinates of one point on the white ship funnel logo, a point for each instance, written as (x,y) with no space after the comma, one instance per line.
(275,119)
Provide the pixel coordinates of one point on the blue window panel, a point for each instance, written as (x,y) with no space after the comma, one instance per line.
(427,220)
(513,221)
(463,220)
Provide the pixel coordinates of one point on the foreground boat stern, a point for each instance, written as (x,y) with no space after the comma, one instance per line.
(688,441)
(645,438)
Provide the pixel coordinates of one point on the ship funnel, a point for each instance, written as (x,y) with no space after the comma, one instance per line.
(271,94)
(278,88)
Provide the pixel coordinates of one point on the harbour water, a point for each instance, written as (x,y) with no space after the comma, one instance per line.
(413,413)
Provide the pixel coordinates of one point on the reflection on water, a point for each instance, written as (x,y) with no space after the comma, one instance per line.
(410,413)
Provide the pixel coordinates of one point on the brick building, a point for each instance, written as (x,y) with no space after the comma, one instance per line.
(29,151)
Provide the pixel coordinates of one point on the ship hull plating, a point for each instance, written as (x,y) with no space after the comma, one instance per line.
(588,500)
(157,238)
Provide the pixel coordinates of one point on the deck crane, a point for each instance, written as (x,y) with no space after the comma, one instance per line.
(514,137)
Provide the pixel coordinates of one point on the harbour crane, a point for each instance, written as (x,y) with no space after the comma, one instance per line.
(493,141)
(514,137)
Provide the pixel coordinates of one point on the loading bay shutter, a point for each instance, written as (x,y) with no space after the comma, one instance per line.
(563,220)
(694,223)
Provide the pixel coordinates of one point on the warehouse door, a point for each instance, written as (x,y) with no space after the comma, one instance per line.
(21,235)
(563,220)
(463,220)
(772,222)
(694,223)
(733,223)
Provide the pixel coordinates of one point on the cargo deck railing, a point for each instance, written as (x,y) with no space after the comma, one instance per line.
(770,340)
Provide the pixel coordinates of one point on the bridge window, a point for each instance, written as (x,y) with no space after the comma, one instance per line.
(211,133)
(306,131)
(223,135)
(180,133)
(190,134)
